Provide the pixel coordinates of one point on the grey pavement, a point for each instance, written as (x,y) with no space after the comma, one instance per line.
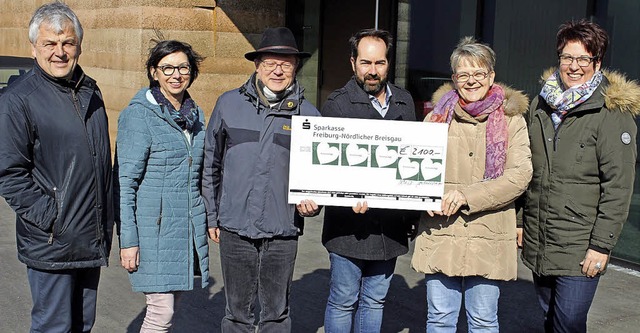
(616,307)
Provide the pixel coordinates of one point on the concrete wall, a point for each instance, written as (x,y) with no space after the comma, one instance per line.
(402,42)
(117,36)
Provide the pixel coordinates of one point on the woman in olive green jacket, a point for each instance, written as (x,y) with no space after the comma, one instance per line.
(583,144)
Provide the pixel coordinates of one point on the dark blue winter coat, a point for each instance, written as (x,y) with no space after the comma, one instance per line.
(246,173)
(55,170)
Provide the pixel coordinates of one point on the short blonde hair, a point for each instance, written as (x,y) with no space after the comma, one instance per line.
(476,53)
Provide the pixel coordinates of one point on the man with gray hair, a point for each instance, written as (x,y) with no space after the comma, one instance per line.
(55,173)
(244,186)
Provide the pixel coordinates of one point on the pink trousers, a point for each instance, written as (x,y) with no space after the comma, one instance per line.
(160,308)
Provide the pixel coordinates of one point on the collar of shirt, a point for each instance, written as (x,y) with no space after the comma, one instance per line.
(382,109)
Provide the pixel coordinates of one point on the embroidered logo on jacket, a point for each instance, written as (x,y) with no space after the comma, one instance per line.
(626,138)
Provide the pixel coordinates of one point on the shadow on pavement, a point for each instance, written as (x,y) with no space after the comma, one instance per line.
(308,300)
(197,311)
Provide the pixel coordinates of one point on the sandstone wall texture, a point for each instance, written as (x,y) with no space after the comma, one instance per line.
(118,33)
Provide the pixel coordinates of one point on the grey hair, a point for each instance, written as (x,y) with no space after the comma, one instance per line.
(476,53)
(58,16)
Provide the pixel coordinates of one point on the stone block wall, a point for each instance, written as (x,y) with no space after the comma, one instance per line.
(117,35)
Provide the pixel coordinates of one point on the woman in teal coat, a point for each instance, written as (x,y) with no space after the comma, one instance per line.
(159,154)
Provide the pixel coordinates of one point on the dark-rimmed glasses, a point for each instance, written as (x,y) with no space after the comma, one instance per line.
(271,66)
(168,70)
(464,77)
(583,61)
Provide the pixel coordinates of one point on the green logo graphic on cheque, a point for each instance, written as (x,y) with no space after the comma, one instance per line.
(355,155)
(381,156)
(384,156)
(326,153)
(419,169)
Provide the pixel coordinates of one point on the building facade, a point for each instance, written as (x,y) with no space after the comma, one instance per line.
(523,34)
(118,35)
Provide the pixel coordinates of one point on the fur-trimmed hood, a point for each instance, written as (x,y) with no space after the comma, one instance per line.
(621,93)
(516,102)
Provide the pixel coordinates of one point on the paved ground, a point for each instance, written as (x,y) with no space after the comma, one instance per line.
(616,307)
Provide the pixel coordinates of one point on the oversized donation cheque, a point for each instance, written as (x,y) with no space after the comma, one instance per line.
(388,164)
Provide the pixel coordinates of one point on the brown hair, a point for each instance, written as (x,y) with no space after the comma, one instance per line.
(384,35)
(589,34)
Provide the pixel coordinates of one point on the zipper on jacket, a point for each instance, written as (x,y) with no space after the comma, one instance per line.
(92,151)
(76,104)
(555,136)
(544,139)
(190,242)
(55,198)
(159,220)
(188,143)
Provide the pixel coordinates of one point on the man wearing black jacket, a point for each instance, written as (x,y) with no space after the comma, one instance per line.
(55,173)
(363,244)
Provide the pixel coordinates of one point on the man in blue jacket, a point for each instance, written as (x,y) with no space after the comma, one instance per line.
(363,244)
(55,173)
(245,186)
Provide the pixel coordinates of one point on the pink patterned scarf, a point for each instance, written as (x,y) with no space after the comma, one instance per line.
(497,133)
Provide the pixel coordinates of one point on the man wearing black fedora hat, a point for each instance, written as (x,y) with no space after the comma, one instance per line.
(245,186)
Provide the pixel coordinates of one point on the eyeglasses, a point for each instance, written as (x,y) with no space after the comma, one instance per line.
(168,70)
(271,66)
(464,77)
(583,61)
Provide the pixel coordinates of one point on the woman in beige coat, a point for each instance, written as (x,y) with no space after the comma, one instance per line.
(470,245)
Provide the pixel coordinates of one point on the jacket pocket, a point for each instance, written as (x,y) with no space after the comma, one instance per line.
(57,226)
(574,214)
(490,224)
(580,149)
(159,219)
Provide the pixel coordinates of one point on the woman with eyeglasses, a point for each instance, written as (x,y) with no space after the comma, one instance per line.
(159,156)
(583,144)
(468,247)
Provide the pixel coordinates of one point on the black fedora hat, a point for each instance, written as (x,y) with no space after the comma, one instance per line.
(277,41)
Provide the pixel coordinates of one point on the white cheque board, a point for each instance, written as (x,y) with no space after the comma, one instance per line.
(388,164)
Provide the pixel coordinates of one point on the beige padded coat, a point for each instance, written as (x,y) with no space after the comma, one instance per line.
(481,238)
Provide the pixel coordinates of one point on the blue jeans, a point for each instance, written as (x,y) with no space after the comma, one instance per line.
(262,267)
(361,282)
(565,301)
(63,300)
(444,298)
